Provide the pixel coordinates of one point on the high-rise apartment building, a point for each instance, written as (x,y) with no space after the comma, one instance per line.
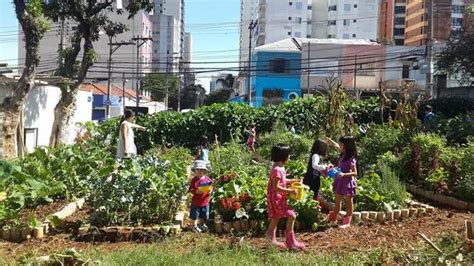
(392,22)
(248,12)
(280,19)
(448,19)
(168,29)
(345,19)
(124,59)
(188,75)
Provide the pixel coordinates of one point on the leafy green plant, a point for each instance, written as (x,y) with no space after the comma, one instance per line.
(145,190)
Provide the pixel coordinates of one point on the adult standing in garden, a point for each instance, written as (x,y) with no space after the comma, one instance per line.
(429,119)
(126,145)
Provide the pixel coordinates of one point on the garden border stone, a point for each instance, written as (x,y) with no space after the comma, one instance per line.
(137,233)
(25,233)
(440,198)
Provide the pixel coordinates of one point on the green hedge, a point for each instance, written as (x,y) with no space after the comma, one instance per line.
(229,120)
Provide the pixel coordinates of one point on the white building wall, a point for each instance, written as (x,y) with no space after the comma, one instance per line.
(353,19)
(319,21)
(39,114)
(282,19)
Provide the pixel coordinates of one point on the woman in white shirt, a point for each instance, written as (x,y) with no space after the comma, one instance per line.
(315,167)
(126,145)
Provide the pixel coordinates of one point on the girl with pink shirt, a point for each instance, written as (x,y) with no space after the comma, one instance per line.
(277,191)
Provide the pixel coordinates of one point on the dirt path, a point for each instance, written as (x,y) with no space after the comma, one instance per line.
(355,238)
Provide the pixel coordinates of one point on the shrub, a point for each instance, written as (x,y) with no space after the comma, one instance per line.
(379,139)
(449,107)
(300,144)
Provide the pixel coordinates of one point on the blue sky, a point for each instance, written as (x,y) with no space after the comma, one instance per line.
(212,23)
(8,33)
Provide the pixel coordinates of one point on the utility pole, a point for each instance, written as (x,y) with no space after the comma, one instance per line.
(429,48)
(123,91)
(355,78)
(109,67)
(309,66)
(139,42)
(252,26)
(180,69)
(61,42)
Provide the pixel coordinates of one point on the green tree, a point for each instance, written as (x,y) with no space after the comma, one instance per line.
(220,96)
(91,17)
(34,25)
(193,97)
(458,57)
(160,85)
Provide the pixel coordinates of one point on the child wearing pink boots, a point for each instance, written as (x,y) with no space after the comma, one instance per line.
(345,183)
(277,207)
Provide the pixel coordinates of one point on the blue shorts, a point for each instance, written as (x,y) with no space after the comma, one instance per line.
(197,212)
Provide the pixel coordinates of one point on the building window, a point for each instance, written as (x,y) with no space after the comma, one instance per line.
(399,42)
(308,36)
(289,18)
(345,36)
(290,3)
(405,72)
(456,22)
(300,20)
(289,33)
(331,22)
(457,9)
(399,10)
(355,6)
(332,8)
(279,65)
(346,22)
(347,7)
(399,21)
(398,31)
(355,21)
(353,35)
(330,36)
(299,6)
(310,7)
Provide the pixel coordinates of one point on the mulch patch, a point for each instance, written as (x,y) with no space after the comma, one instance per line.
(356,238)
(42,212)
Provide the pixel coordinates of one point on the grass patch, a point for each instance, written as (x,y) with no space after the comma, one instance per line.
(192,249)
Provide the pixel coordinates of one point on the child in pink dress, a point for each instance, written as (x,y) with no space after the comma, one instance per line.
(277,207)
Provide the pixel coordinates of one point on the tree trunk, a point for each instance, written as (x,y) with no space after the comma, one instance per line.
(12,107)
(64,110)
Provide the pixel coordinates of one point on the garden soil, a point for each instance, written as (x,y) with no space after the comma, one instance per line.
(397,235)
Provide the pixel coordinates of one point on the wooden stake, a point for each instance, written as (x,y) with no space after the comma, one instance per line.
(469,230)
(430,242)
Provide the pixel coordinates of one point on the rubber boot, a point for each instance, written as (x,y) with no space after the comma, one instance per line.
(271,237)
(291,243)
(346,222)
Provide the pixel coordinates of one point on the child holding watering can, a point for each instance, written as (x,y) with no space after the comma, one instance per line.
(277,207)
(345,183)
(315,167)
(200,187)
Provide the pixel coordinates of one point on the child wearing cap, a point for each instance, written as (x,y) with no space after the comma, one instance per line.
(200,187)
